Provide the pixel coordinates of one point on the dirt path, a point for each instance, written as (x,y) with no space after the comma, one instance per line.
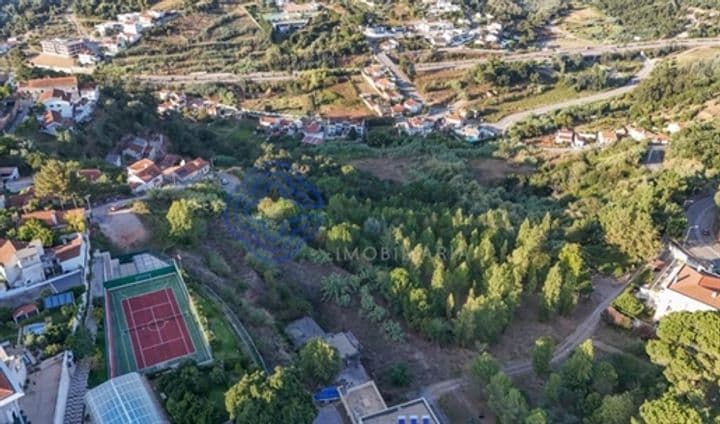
(583,332)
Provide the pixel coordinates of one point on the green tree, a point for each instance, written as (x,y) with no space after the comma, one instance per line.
(542,354)
(537,416)
(484,367)
(182,221)
(34,229)
(577,371)
(668,410)
(318,362)
(57,179)
(688,352)
(278,398)
(551,291)
(605,378)
(506,401)
(277,210)
(615,409)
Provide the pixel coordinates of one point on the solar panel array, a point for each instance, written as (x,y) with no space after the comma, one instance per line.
(123,400)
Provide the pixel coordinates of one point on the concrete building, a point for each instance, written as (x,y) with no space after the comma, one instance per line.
(21,263)
(63,47)
(12,378)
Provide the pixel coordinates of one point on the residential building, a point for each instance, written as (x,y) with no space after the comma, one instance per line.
(12,379)
(454,120)
(21,263)
(687,287)
(35,87)
(73,253)
(565,136)
(52,122)
(607,137)
(63,47)
(187,171)
(416,411)
(52,218)
(144,175)
(417,125)
(58,101)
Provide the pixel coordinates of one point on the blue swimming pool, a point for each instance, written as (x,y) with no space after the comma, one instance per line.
(37,328)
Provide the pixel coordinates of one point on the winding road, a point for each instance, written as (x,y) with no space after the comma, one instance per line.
(701,217)
(505,123)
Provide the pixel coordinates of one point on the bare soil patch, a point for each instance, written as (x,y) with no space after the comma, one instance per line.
(493,170)
(519,338)
(393,169)
(125,230)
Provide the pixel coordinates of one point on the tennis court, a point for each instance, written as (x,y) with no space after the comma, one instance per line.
(151,323)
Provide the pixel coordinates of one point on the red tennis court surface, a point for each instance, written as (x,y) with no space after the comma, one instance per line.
(156,327)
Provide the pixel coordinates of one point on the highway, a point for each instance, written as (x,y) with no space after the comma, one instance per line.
(596,50)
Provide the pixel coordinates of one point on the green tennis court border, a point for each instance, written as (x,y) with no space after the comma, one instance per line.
(120,358)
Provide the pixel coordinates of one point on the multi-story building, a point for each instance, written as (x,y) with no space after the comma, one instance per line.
(63,47)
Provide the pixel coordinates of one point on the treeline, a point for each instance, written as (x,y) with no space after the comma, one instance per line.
(20,16)
(109,9)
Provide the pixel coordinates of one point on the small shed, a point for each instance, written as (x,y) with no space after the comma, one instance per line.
(346,344)
(25,312)
(303,330)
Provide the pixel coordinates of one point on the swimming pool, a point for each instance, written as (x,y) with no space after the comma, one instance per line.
(37,328)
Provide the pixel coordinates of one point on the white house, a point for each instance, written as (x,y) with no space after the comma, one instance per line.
(565,136)
(11,389)
(72,254)
(21,263)
(58,101)
(690,290)
(187,171)
(144,175)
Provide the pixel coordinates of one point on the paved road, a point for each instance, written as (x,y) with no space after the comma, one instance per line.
(701,216)
(550,54)
(404,83)
(505,123)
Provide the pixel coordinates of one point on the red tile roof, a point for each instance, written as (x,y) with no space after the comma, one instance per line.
(697,285)
(8,248)
(70,250)
(90,174)
(6,388)
(49,82)
(25,310)
(54,94)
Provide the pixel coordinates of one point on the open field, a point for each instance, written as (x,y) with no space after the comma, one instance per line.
(124,229)
(498,110)
(589,25)
(466,405)
(698,54)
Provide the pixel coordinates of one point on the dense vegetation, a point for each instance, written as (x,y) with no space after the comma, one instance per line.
(657,18)
(20,16)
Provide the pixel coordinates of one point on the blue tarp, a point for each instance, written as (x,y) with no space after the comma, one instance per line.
(328,394)
(58,300)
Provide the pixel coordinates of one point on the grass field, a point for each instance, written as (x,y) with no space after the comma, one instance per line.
(557,94)
(120,346)
(590,24)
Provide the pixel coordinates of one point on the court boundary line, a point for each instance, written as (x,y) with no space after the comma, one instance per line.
(173,303)
(133,336)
